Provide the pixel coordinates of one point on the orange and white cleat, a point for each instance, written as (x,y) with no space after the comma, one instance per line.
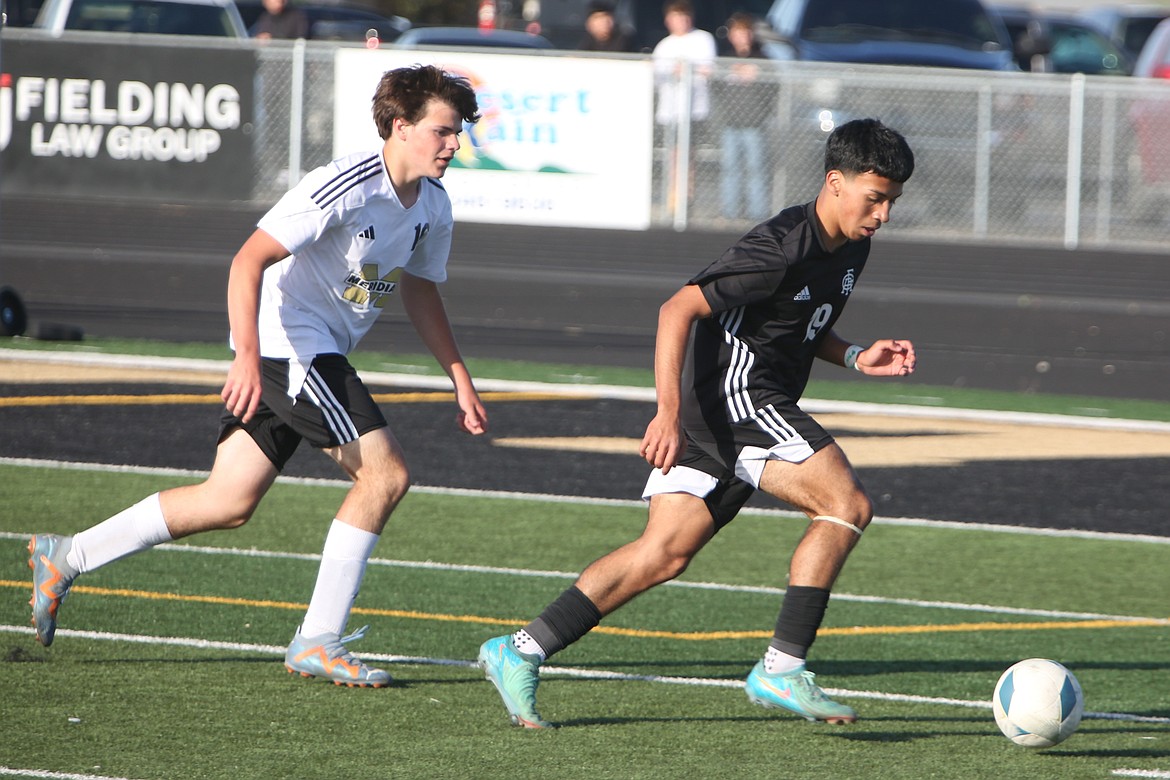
(52,577)
(326,656)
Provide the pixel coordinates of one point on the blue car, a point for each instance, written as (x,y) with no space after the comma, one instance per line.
(929,33)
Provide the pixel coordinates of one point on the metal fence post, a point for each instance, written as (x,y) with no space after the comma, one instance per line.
(982,161)
(296,112)
(1076,141)
(682,156)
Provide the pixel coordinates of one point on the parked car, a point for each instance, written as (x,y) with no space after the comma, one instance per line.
(422,37)
(1154,60)
(336,22)
(1062,43)
(218,18)
(19,13)
(1129,25)
(1149,163)
(933,33)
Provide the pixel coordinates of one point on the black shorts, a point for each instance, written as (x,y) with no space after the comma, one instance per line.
(332,407)
(723,467)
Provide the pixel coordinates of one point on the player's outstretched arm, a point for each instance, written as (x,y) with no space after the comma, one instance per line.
(424,307)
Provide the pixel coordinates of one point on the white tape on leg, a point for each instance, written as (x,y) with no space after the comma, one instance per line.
(839,521)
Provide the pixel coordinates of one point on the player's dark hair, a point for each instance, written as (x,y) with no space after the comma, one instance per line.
(403,93)
(866,145)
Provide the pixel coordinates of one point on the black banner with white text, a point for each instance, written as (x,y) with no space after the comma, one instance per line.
(96,119)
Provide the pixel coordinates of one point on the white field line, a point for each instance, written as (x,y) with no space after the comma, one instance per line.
(1066,533)
(1141,773)
(7,771)
(594,391)
(986,608)
(560,671)
(717,586)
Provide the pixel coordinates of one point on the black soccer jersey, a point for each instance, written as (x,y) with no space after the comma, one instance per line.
(774,295)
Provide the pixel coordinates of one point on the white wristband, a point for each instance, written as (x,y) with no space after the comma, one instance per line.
(851,356)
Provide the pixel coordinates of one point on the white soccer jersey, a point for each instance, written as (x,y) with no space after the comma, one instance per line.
(350,238)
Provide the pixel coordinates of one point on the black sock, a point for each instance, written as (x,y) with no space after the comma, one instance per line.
(800,617)
(571,616)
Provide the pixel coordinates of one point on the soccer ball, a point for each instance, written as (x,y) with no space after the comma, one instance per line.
(1038,703)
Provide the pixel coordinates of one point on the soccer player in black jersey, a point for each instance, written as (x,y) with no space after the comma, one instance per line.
(731,425)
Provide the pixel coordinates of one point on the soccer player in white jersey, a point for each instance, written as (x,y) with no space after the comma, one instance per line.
(761,315)
(302,291)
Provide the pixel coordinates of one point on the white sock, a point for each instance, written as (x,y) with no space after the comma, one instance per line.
(527,645)
(132,530)
(776,662)
(343,562)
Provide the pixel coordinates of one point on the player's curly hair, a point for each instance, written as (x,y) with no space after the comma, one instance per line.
(866,145)
(403,93)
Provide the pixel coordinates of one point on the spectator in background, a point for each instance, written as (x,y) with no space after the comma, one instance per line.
(280,20)
(745,104)
(684,48)
(684,45)
(601,30)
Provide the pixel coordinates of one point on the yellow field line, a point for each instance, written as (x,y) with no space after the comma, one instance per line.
(170,399)
(688,636)
(111,400)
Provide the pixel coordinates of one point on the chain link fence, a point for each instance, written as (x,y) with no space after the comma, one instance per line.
(1001,157)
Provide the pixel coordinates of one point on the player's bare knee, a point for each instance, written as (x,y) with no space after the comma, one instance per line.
(861,511)
(666,565)
(672,567)
(854,514)
(856,509)
(224,510)
(234,522)
(391,483)
(398,483)
(238,515)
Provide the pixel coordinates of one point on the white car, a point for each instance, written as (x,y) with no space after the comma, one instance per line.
(219,18)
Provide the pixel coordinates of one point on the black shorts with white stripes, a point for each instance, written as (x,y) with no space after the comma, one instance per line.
(780,428)
(332,407)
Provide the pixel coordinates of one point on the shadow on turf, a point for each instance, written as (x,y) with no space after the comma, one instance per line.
(722,670)
(864,668)
(850,732)
(226,659)
(20,655)
(1109,753)
(612,721)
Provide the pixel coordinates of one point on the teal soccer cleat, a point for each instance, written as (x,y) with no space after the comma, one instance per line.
(52,577)
(326,656)
(515,676)
(796,691)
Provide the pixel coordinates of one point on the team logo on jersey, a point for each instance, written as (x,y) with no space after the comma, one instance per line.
(847,282)
(367,233)
(368,288)
(803,295)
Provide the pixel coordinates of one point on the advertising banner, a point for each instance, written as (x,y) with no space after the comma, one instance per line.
(105,120)
(562,141)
